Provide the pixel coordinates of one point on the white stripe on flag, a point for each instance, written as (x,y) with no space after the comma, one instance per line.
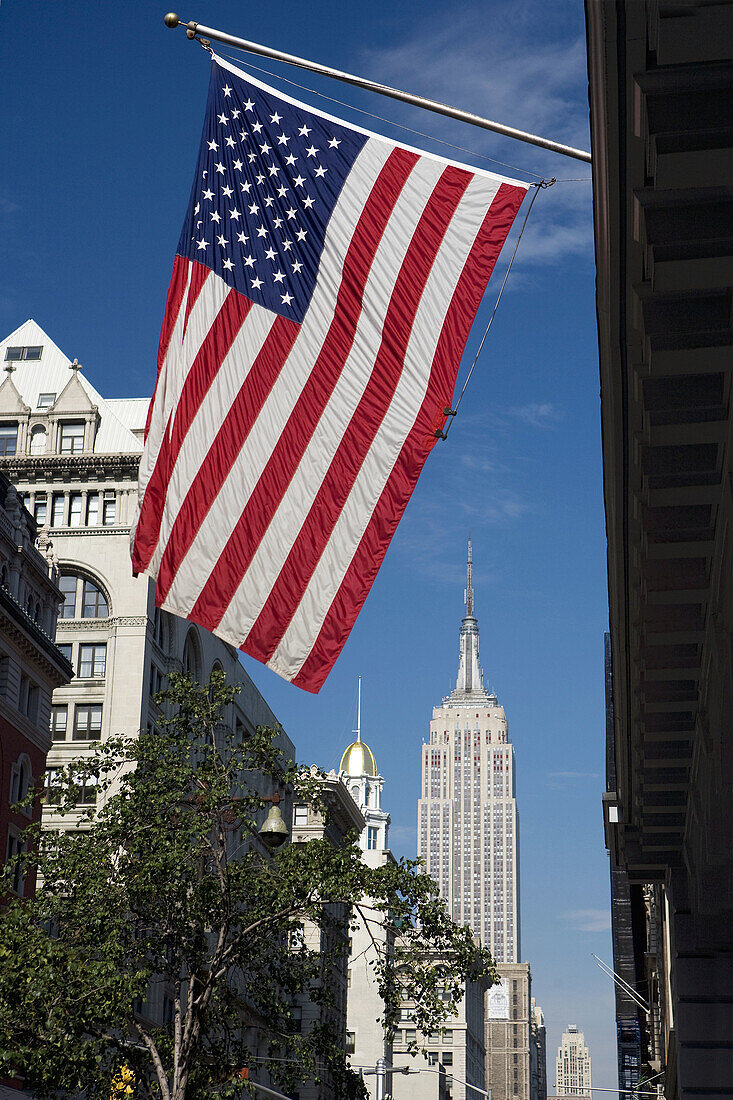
(346,535)
(163,399)
(287,521)
(212,412)
(179,361)
(212,537)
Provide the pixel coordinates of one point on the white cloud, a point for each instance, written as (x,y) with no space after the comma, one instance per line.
(495,69)
(538,414)
(500,69)
(588,920)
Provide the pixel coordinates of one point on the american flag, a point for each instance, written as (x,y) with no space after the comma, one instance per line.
(322,293)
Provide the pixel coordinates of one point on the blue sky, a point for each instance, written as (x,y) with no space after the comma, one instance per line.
(100,124)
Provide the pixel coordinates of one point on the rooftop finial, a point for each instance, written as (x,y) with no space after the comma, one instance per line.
(358,712)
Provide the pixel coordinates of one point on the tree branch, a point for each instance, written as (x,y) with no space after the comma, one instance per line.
(157,1061)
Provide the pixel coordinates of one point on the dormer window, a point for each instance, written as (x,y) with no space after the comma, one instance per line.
(46,400)
(71,437)
(29,353)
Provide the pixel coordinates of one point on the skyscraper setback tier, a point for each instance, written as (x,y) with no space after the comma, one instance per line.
(572,1067)
(467,815)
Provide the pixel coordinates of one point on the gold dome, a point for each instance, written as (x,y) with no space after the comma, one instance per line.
(358,759)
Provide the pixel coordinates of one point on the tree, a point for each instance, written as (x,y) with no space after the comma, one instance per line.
(164,889)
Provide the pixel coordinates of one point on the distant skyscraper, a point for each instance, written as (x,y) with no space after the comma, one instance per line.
(573,1066)
(467,815)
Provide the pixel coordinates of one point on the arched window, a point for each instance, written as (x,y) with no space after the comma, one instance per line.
(94,602)
(4,575)
(38,440)
(20,779)
(192,656)
(83,598)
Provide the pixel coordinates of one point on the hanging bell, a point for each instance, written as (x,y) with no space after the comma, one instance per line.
(274,831)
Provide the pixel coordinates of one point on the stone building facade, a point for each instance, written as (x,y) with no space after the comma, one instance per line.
(508,1034)
(74,456)
(455,1059)
(309,824)
(31,668)
(366,1039)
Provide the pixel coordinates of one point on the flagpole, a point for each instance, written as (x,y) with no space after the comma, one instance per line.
(194,30)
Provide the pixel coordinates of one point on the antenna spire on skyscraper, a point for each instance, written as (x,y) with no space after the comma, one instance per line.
(470,683)
(469,581)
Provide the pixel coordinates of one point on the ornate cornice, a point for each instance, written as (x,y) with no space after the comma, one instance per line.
(102,624)
(73,532)
(21,467)
(31,640)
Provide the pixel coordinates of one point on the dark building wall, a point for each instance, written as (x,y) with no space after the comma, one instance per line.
(661,85)
(627,932)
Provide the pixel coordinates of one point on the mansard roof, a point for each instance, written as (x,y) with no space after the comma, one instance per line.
(75,394)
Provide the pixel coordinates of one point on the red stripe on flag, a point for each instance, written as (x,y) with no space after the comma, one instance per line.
(205,366)
(151,510)
(288,452)
(313,537)
(176,290)
(224,450)
(371,550)
(199,275)
(215,346)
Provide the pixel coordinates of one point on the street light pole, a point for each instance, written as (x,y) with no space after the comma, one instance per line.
(381,1068)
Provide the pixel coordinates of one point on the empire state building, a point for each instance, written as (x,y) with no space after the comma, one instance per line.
(467,815)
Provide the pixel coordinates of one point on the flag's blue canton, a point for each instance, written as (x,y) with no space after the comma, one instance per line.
(267,180)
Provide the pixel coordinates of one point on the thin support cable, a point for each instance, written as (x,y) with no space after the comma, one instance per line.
(451,413)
